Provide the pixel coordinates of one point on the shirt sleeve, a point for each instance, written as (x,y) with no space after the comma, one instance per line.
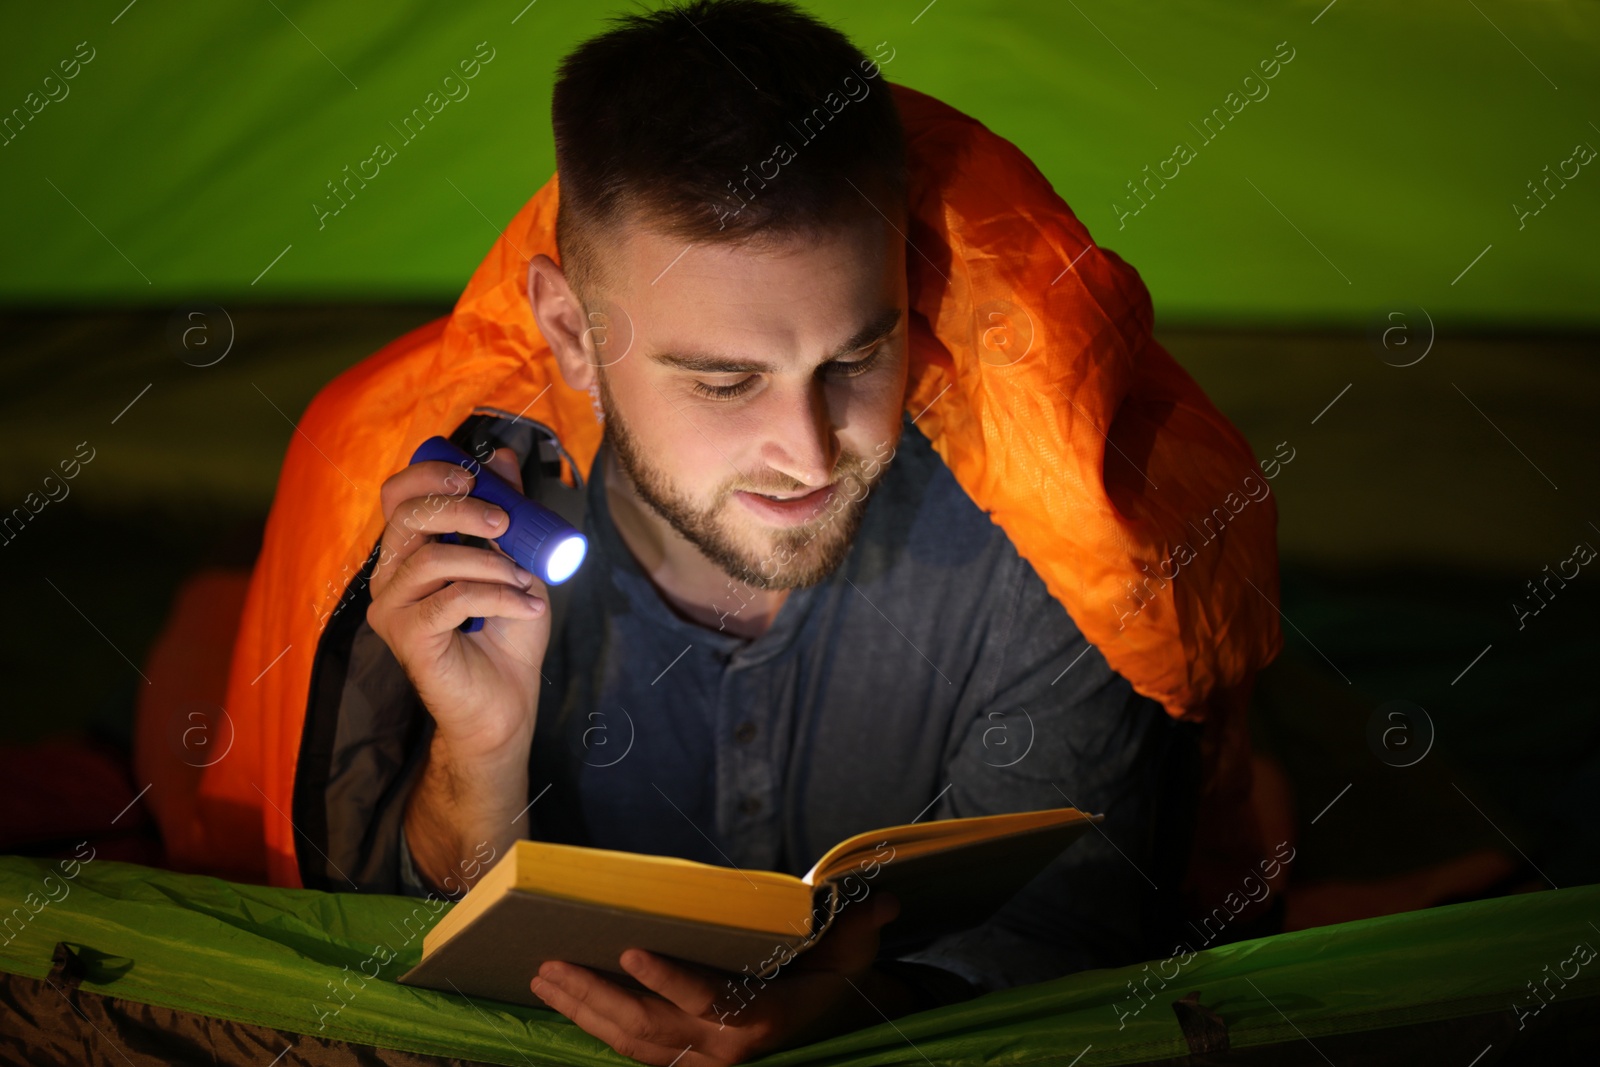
(1052,725)
(373,757)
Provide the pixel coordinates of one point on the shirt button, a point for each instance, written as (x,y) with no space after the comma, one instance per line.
(749,805)
(745,733)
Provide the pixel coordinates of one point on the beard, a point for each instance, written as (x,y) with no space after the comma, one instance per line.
(778,557)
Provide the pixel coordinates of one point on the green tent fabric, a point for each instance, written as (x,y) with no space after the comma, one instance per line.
(1373,169)
(1443,985)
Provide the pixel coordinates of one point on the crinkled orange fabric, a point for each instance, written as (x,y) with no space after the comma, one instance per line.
(1033,373)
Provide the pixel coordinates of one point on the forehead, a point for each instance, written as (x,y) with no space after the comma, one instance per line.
(798,291)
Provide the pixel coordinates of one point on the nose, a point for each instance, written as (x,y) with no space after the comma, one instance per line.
(799,440)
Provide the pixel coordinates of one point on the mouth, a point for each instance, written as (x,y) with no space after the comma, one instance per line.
(788,508)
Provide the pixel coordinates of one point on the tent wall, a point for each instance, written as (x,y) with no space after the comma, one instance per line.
(195,152)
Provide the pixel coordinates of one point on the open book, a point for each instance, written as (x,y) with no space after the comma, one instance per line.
(545,901)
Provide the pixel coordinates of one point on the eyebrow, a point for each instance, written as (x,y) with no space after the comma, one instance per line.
(876,329)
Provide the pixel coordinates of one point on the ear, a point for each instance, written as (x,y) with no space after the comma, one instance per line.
(561,320)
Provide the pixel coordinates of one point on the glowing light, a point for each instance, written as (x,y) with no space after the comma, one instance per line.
(565,559)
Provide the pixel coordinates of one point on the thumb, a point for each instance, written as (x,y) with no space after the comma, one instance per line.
(885,909)
(504,463)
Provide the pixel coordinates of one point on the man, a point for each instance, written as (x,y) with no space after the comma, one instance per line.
(805,613)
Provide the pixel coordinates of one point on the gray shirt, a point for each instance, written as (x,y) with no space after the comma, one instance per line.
(931,676)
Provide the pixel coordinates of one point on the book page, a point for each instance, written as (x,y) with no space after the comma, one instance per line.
(940,835)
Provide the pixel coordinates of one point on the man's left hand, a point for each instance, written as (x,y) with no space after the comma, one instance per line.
(697,1022)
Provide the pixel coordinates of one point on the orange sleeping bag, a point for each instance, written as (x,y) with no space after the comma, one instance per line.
(1034,375)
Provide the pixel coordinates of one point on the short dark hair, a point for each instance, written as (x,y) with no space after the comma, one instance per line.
(676,119)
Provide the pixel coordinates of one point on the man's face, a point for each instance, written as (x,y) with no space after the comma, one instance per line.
(732,371)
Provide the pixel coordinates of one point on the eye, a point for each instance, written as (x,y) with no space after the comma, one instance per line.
(838,368)
(724,392)
(854,367)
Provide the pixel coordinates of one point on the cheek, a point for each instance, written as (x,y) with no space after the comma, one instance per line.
(707,469)
(869,414)
(698,448)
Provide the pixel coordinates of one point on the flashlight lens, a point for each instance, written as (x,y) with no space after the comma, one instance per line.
(565,558)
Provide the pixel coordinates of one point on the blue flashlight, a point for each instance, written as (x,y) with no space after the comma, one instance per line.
(537,538)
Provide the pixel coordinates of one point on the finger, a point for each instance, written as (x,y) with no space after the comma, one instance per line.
(414,522)
(852,941)
(504,463)
(433,477)
(867,914)
(621,1019)
(438,513)
(435,564)
(453,605)
(689,989)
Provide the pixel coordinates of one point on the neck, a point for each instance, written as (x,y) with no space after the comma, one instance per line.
(695,588)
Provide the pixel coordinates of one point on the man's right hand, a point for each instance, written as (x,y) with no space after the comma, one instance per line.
(482,689)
